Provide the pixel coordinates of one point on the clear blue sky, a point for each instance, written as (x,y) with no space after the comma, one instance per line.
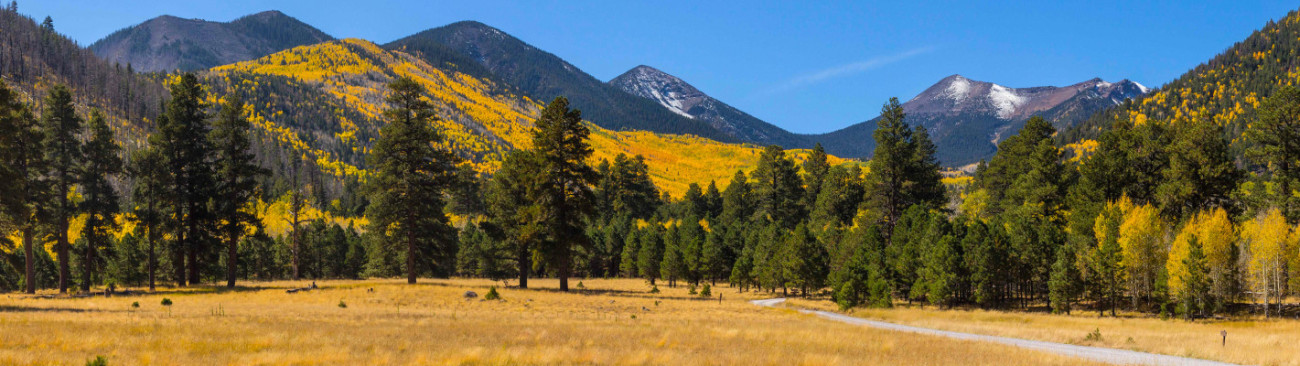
(808,66)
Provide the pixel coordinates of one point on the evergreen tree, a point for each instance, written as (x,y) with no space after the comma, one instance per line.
(1065,283)
(926,187)
(777,189)
(651,252)
(807,262)
(1201,174)
(815,170)
(888,181)
(841,195)
(149,171)
(513,211)
(1275,138)
(22,168)
(631,248)
(565,190)
(63,152)
(100,202)
(410,179)
(1104,261)
(236,175)
(183,140)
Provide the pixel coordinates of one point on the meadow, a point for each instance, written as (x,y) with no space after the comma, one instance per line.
(383,322)
(1250,340)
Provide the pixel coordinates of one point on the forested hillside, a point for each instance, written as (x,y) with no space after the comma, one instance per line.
(541,76)
(325,100)
(1225,91)
(34,56)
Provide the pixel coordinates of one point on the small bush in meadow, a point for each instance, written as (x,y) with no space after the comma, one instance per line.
(492,294)
(654,290)
(135,305)
(706,291)
(692,288)
(166,302)
(98,361)
(1094,335)
(342,305)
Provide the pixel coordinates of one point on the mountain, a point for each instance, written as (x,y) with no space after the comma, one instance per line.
(967,118)
(169,43)
(1224,90)
(682,98)
(542,76)
(325,102)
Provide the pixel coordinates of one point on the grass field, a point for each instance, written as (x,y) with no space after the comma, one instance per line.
(611,322)
(1250,341)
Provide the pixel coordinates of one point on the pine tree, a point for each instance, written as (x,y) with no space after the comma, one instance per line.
(777,189)
(1275,138)
(1104,261)
(149,171)
(410,180)
(100,202)
(513,211)
(236,175)
(1065,283)
(63,152)
(183,139)
(22,168)
(888,181)
(807,261)
(815,170)
(1201,174)
(560,139)
(652,253)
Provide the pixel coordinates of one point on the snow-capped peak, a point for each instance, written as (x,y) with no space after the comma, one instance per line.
(667,90)
(958,88)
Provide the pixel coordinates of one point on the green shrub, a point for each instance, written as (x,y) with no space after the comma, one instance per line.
(98,361)
(654,290)
(342,305)
(692,287)
(135,304)
(492,294)
(706,291)
(166,302)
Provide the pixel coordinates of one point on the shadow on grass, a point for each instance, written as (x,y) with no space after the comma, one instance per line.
(25,309)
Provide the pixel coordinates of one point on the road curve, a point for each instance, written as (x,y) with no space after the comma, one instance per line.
(1100,354)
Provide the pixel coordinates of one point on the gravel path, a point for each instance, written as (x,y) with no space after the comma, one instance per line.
(1107,355)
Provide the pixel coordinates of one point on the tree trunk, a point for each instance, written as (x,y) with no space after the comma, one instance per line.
(62,250)
(31,258)
(523,269)
(232,256)
(152,259)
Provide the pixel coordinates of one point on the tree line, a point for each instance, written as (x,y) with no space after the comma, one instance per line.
(1158,218)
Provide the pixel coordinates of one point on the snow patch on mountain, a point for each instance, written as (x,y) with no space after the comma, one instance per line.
(958,89)
(1141,87)
(1005,100)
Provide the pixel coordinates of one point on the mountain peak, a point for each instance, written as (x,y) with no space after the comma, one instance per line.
(661,87)
(169,42)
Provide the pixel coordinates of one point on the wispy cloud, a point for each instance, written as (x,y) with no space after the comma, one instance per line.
(841,71)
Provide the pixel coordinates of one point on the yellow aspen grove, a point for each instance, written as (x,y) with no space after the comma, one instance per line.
(1142,238)
(1218,237)
(1267,242)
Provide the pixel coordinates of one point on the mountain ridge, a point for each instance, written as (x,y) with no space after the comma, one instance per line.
(169,42)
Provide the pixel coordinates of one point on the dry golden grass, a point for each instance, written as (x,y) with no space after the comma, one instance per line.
(1250,341)
(613,322)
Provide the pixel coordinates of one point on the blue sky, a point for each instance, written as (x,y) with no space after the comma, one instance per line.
(807,66)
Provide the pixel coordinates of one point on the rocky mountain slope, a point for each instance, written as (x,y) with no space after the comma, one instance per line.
(682,98)
(169,43)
